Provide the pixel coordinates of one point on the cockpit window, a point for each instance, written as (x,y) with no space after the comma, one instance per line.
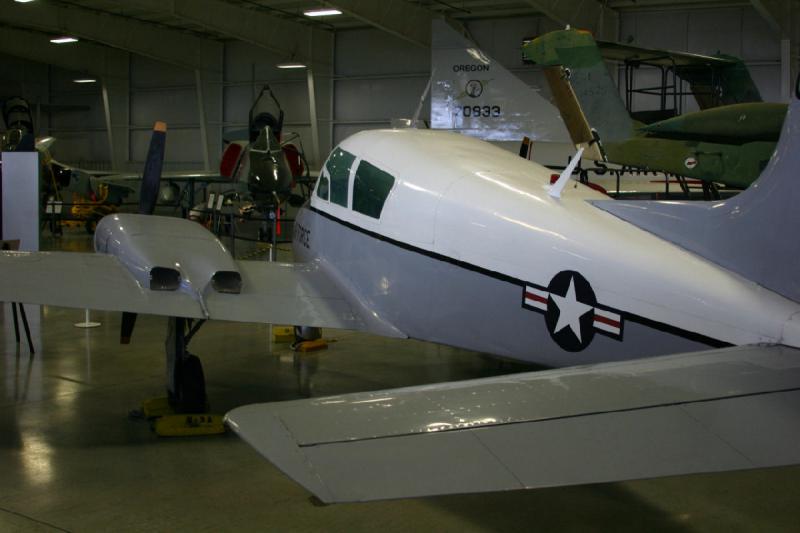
(370,189)
(338,166)
(322,187)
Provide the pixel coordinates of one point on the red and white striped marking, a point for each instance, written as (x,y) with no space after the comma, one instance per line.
(536,298)
(607,321)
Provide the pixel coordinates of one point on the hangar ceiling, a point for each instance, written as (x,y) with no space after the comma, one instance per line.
(206,18)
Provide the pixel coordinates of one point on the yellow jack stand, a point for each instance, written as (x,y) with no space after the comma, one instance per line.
(282,334)
(188,425)
(311,346)
(157,407)
(167,423)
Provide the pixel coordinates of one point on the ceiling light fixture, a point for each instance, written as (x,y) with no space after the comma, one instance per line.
(23,1)
(324,12)
(63,40)
(291,64)
(85,80)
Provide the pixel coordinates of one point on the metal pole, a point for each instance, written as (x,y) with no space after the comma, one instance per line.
(312,108)
(201,112)
(107,111)
(786,69)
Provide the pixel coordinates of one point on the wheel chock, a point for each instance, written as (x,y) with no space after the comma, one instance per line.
(157,407)
(311,346)
(282,334)
(188,425)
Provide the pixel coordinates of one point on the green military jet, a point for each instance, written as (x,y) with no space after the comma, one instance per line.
(728,144)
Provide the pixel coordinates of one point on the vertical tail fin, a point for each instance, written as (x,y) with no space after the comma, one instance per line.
(474,94)
(753,234)
(586,72)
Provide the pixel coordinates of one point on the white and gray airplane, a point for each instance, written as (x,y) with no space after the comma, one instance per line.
(673,326)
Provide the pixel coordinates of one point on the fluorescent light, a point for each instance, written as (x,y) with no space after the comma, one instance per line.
(324,12)
(85,80)
(23,1)
(291,64)
(63,40)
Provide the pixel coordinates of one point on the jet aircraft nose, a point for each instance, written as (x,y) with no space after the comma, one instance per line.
(270,175)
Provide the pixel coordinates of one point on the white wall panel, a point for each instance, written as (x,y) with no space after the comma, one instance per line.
(759,41)
(655,29)
(737,31)
(379,98)
(767,79)
(146,72)
(712,32)
(243,61)
(370,52)
(182,146)
(343,131)
(173,106)
(74,147)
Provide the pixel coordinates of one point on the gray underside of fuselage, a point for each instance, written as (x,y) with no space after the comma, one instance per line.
(429,298)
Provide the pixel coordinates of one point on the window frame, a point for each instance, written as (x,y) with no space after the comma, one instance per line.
(354,175)
(323,176)
(349,179)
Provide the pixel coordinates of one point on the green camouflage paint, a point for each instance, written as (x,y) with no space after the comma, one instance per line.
(728,144)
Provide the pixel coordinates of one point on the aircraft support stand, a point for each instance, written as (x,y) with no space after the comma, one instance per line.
(184,412)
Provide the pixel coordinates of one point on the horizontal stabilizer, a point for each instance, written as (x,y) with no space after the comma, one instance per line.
(727,409)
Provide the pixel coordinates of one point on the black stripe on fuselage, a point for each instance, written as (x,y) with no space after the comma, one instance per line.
(653,324)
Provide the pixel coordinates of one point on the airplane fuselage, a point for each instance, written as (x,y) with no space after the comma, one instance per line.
(470,250)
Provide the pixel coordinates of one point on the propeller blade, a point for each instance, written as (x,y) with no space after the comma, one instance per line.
(151,177)
(126,329)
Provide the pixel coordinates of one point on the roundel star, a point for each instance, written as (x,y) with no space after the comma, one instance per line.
(570,311)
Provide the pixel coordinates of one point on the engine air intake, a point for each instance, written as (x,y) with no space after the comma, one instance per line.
(227,281)
(164,279)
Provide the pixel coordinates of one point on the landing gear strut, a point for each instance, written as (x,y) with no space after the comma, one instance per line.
(186,384)
(184,412)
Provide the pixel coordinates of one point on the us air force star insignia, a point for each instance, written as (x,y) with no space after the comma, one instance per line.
(571,311)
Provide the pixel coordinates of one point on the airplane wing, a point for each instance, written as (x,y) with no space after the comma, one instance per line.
(277,293)
(726,409)
(131,179)
(667,58)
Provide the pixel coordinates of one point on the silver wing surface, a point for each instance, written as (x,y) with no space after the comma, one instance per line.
(727,409)
(131,180)
(278,293)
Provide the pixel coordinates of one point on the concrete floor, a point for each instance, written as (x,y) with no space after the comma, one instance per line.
(72,460)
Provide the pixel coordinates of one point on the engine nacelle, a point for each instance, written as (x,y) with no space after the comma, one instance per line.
(167,254)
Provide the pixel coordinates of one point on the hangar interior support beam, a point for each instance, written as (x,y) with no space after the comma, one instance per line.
(161,44)
(591,15)
(201,115)
(286,39)
(112,153)
(784,17)
(312,115)
(398,17)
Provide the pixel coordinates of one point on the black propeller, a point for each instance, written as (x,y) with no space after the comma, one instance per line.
(148,196)
(151,177)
